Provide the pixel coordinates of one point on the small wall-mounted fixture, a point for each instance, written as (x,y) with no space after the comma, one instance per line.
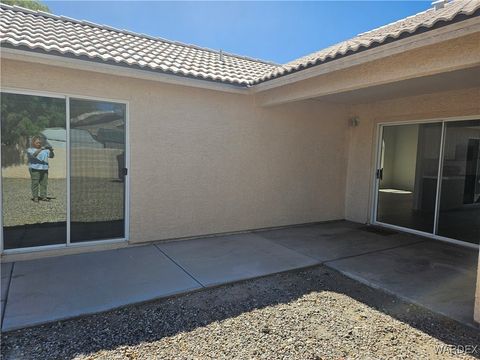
(354,121)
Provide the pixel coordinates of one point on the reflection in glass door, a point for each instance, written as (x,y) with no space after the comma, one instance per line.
(97,170)
(62,182)
(459,216)
(34,188)
(412,158)
(408,175)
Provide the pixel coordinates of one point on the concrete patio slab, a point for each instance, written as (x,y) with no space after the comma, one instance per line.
(436,275)
(433,274)
(222,259)
(5,269)
(335,240)
(5,280)
(62,287)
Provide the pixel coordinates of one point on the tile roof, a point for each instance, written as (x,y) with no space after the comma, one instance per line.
(427,20)
(38,31)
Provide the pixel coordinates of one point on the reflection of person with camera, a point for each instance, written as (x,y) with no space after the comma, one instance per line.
(38,156)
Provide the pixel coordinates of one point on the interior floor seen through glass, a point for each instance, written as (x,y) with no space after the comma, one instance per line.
(408,175)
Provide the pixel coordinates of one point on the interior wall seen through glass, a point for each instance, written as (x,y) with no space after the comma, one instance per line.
(34,188)
(459,216)
(408,175)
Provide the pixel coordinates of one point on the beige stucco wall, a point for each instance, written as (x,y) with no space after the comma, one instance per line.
(207,162)
(442,57)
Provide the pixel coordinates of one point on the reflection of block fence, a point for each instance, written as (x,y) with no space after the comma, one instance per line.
(85,162)
(97,163)
(57,167)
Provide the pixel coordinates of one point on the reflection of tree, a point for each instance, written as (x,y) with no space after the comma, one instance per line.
(23,116)
(29,4)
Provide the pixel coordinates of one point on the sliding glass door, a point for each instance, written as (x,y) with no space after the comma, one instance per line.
(459,210)
(409,175)
(34,163)
(63,170)
(97,170)
(412,159)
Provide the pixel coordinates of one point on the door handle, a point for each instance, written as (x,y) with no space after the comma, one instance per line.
(380,173)
(124,172)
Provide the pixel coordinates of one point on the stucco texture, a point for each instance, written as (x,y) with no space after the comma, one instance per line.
(204,162)
(443,57)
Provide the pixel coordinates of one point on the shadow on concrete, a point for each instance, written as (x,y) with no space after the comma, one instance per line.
(152,321)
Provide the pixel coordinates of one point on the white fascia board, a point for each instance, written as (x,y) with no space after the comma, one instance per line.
(78,64)
(449,32)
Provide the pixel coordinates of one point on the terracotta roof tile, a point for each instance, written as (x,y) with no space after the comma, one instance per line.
(38,31)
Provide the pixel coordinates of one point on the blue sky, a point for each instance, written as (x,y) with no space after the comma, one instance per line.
(277,31)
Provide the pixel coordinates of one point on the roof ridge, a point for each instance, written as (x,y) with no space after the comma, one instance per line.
(448,3)
(133,33)
(197,62)
(394,22)
(315,58)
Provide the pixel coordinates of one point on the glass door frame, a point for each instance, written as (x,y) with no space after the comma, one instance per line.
(376,181)
(126,214)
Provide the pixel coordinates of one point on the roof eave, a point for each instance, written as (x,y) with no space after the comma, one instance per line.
(438,35)
(444,33)
(73,62)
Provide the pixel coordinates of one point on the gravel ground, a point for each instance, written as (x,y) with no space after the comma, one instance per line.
(93,199)
(19,209)
(305,314)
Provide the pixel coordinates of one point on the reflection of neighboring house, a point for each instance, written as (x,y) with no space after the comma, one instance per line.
(111,138)
(56,137)
(106,126)
(91,119)
(82,138)
(89,161)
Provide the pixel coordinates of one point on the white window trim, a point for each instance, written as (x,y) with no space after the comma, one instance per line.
(375,182)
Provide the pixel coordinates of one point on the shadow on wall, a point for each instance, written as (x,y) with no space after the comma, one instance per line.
(149,322)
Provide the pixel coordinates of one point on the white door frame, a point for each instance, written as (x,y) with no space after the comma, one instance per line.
(376,181)
(68,244)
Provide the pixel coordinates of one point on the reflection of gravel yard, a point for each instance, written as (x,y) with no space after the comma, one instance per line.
(19,209)
(92,200)
(96,199)
(313,314)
